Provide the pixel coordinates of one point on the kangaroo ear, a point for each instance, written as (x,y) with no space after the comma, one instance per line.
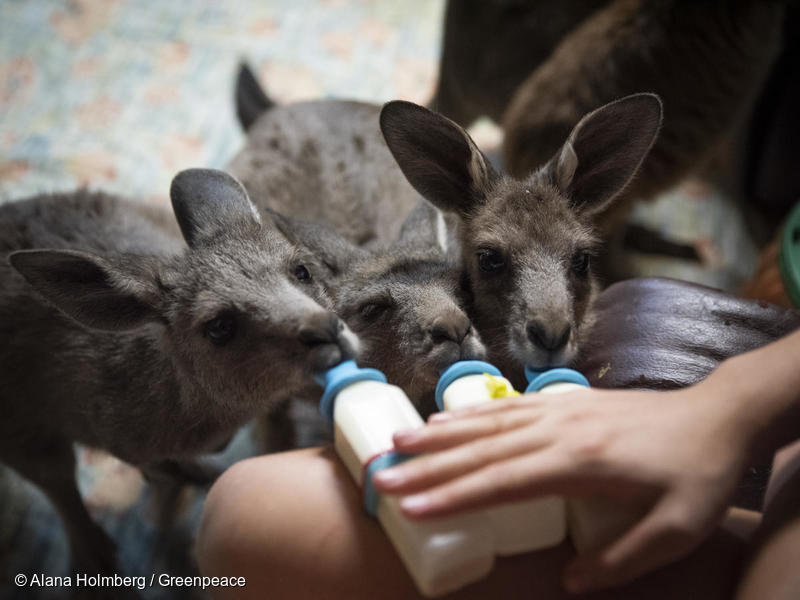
(208,204)
(96,292)
(251,99)
(425,227)
(604,151)
(335,251)
(437,157)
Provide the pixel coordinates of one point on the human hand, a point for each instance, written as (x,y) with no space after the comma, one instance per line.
(678,454)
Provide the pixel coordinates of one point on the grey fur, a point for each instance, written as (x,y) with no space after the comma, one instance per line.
(251,100)
(321,170)
(406,303)
(325,161)
(536,307)
(105,337)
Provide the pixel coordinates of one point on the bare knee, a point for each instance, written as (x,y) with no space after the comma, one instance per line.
(240,529)
(217,538)
(772,569)
(292,524)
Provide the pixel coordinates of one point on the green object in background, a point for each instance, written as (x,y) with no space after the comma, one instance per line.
(790,256)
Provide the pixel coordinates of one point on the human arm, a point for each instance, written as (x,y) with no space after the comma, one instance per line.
(680,454)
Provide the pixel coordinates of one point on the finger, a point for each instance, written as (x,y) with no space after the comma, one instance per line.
(662,536)
(440,436)
(527,476)
(487,408)
(437,468)
(526,400)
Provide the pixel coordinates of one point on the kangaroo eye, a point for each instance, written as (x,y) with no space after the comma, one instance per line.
(371,311)
(580,263)
(491,261)
(301,273)
(221,329)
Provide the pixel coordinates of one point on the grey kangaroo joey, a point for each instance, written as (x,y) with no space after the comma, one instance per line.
(119,335)
(322,160)
(527,244)
(406,303)
(397,286)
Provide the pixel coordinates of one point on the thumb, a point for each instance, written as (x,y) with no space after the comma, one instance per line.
(663,535)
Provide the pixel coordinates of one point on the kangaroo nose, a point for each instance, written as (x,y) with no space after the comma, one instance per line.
(451,328)
(548,338)
(320,329)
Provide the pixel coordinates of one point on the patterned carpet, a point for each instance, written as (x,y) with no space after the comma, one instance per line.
(119,95)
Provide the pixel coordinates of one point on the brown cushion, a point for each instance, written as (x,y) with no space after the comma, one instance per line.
(663,334)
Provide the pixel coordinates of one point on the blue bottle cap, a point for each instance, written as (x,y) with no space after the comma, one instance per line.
(338,378)
(461,369)
(384,461)
(539,379)
(531,373)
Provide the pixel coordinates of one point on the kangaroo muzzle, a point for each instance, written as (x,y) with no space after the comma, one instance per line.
(328,339)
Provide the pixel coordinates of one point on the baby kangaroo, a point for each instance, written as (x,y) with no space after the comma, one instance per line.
(406,303)
(117,335)
(526,244)
(393,275)
(321,160)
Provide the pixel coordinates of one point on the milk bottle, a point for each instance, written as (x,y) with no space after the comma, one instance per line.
(595,521)
(518,526)
(441,555)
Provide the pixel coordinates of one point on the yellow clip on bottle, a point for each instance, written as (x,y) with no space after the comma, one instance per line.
(518,526)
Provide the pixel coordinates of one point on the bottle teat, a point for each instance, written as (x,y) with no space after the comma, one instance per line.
(339,377)
(539,378)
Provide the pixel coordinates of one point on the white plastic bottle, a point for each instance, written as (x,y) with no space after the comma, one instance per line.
(518,526)
(595,521)
(441,555)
